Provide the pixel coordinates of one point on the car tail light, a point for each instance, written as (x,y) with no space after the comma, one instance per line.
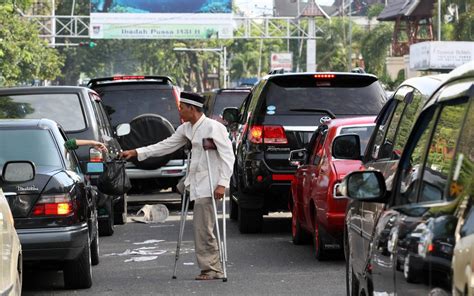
(95,155)
(53,205)
(270,134)
(128,77)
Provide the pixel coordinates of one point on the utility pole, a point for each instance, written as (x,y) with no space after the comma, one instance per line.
(350,35)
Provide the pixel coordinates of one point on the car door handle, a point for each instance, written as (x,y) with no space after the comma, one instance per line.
(304,173)
(313,175)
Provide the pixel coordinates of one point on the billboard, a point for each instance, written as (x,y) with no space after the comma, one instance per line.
(440,55)
(283,60)
(161,19)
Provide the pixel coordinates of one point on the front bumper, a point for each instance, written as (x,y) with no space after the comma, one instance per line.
(58,244)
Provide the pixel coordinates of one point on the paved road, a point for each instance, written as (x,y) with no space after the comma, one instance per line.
(138,260)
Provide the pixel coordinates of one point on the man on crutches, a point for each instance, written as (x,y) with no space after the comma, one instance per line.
(195,128)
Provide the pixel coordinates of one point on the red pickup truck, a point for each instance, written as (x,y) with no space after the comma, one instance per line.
(316,205)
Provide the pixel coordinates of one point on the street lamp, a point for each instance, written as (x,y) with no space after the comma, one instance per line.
(221,51)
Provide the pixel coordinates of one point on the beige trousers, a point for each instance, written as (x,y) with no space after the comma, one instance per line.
(207,252)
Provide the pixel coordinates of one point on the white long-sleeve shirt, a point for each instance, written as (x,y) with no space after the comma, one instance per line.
(221,160)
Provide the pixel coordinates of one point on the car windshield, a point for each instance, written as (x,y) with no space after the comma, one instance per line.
(123,105)
(363,131)
(34,145)
(289,98)
(228,99)
(62,108)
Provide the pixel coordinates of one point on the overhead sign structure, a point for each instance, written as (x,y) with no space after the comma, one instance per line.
(440,55)
(161,19)
(282,60)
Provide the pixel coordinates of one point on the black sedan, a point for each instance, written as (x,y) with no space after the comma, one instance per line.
(55,213)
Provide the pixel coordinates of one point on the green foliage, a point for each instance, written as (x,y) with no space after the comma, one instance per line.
(23,55)
(374,10)
(375,45)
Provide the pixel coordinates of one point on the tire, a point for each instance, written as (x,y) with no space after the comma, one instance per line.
(78,273)
(95,246)
(233,206)
(352,287)
(147,129)
(411,275)
(106,226)
(318,242)
(120,211)
(298,235)
(250,220)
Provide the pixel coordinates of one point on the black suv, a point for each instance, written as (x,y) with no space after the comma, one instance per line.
(55,212)
(406,247)
(280,115)
(80,112)
(150,105)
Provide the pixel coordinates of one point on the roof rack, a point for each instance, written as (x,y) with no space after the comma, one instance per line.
(358,70)
(278,71)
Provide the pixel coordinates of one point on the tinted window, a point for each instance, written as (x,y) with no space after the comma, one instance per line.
(126,103)
(342,98)
(364,133)
(441,152)
(468,227)
(227,99)
(37,146)
(63,108)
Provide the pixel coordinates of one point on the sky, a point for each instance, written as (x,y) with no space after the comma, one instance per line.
(260,7)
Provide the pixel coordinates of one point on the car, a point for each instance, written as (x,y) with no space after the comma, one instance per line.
(316,205)
(393,125)
(427,196)
(463,254)
(80,112)
(11,278)
(280,115)
(218,99)
(150,105)
(55,212)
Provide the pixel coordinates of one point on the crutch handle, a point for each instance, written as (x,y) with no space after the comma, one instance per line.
(208,144)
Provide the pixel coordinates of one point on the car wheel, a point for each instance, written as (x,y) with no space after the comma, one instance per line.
(120,211)
(352,287)
(95,245)
(78,273)
(106,226)
(408,272)
(297,233)
(318,242)
(233,206)
(250,220)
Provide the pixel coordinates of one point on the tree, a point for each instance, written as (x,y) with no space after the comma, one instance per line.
(23,55)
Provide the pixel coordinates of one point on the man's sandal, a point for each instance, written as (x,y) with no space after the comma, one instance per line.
(207,277)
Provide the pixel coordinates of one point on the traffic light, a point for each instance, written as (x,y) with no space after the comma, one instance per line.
(89,44)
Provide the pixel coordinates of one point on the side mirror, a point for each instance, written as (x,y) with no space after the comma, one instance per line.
(230,115)
(346,147)
(18,171)
(297,157)
(364,186)
(123,129)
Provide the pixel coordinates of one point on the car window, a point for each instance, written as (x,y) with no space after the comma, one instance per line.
(284,98)
(363,131)
(468,226)
(227,99)
(124,103)
(71,161)
(441,152)
(412,110)
(35,145)
(65,109)
(98,118)
(382,127)
(318,148)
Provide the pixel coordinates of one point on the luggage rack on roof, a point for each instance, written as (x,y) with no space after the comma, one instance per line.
(122,78)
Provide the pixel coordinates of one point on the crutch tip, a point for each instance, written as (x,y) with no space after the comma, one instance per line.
(174,277)
(224,279)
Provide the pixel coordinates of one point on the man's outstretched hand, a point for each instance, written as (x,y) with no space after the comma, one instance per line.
(127,154)
(219,192)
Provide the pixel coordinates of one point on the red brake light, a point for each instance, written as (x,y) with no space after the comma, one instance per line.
(326,76)
(53,205)
(270,134)
(95,155)
(128,77)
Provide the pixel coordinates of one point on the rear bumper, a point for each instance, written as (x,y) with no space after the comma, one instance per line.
(174,168)
(58,244)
